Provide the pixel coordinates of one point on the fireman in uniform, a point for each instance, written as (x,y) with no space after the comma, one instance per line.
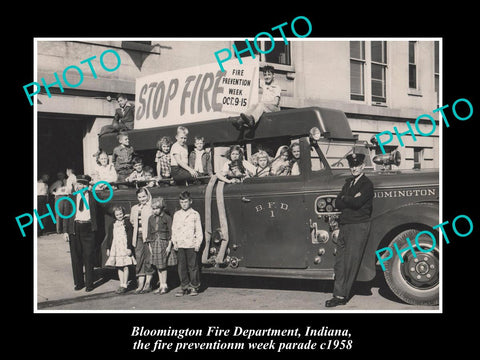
(355,201)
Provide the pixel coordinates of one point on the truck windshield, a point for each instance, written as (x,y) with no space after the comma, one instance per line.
(336,153)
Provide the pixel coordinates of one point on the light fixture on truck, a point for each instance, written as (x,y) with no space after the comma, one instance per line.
(315,133)
(393,158)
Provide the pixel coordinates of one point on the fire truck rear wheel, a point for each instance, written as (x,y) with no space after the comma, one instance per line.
(416,280)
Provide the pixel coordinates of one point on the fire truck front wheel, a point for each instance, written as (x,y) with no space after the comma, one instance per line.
(414,279)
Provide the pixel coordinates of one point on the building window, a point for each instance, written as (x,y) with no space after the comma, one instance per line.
(357,70)
(417,157)
(379,71)
(242,45)
(437,72)
(412,64)
(279,55)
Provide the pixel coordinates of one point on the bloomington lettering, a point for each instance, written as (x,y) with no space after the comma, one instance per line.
(405,193)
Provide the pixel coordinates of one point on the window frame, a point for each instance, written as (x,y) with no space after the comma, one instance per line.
(436,69)
(362,61)
(413,65)
(261,57)
(378,100)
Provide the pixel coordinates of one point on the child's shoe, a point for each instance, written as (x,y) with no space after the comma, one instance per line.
(193,292)
(182,292)
(164,290)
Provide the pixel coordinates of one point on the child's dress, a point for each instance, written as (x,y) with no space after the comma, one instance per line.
(118,243)
(164,161)
(281,168)
(159,235)
(262,172)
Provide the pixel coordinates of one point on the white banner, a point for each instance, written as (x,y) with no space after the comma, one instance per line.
(195,94)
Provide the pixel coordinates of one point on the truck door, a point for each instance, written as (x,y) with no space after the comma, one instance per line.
(275,233)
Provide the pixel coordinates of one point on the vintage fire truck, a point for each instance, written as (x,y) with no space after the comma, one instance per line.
(287,226)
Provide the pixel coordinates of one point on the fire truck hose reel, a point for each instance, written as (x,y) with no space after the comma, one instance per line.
(222,216)
(208,217)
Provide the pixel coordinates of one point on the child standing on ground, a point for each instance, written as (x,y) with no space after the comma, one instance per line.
(187,237)
(162,158)
(139,215)
(159,235)
(119,247)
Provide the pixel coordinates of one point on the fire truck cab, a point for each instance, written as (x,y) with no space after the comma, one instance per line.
(287,226)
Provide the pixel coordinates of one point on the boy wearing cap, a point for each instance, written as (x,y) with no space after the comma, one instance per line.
(269,103)
(81,228)
(355,201)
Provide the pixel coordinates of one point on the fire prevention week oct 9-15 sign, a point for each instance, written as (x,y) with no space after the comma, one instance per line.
(195,94)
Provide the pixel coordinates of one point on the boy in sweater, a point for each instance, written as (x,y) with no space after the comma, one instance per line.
(187,236)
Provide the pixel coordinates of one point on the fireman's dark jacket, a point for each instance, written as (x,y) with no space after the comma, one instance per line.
(355,209)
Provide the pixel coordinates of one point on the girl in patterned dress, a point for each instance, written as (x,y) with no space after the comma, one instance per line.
(139,215)
(119,247)
(159,236)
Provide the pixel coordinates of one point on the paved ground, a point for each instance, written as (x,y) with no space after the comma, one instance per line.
(55,291)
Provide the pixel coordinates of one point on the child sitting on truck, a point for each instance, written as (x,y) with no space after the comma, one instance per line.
(263,165)
(200,159)
(181,172)
(138,174)
(281,165)
(122,157)
(270,101)
(295,151)
(236,168)
(162,157)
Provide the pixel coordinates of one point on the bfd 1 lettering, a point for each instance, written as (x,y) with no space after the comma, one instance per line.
(68,80)
(399,135)
(249,49)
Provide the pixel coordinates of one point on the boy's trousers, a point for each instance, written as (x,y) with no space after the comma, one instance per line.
(82,252)
(258,109)
(188,269)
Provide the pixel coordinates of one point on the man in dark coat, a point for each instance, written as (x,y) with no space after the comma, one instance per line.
(355,201)
(81,228)
(123,119)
